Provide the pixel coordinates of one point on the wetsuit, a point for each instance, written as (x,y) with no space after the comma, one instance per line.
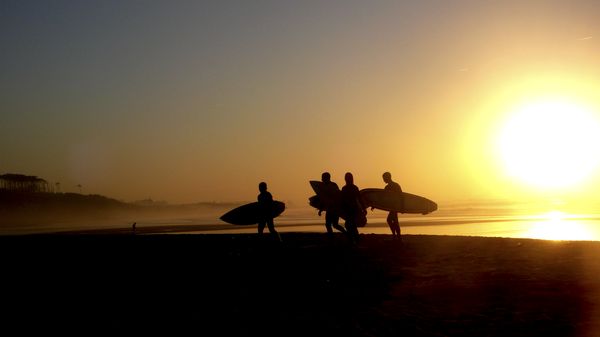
(265,200)
(352,207)
(330,191)
(392,218)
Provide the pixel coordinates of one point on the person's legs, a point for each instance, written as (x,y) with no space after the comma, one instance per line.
(333,220)
(355,232)
(328,227)
(395,228)
(272,230)
(271,226)
(392,220)
(261,227)
(339,228)
(396,224)
(352,231)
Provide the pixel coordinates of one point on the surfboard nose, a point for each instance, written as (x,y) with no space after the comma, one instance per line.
(433,207)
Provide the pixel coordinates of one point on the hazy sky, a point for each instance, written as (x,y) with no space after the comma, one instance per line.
(201,100)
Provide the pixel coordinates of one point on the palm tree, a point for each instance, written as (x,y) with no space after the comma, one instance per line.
(79,186)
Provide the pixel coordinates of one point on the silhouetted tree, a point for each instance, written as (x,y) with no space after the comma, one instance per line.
(22,183)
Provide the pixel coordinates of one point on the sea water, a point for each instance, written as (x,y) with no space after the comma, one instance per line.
(511,222)
(551,225)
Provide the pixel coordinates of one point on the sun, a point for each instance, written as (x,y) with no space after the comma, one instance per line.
(557,225)
(550,143)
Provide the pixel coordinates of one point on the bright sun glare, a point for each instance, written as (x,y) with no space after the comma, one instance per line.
(558,226)
(550,144)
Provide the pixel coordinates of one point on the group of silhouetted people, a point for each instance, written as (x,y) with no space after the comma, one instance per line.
(350,205)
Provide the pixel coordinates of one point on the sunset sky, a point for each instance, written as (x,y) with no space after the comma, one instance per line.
(190,101)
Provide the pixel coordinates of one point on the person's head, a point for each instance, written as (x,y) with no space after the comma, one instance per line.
(325,177)
(387,177)
(349,178)
(262,186)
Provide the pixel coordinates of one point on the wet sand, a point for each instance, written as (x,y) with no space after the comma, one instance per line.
(242,284)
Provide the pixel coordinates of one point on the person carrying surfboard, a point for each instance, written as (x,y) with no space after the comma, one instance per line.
(392,218)
(353,207)
(331,206)
(265,200)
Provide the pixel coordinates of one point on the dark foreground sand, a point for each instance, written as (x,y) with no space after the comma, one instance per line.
(243,285)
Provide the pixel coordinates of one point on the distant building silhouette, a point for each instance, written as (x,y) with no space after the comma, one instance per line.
(22,183)
(150,202)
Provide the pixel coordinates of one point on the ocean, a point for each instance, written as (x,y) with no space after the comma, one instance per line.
(471,219)
(548,225)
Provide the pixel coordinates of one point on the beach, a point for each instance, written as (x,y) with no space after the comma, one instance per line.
(244,284)
(146,145)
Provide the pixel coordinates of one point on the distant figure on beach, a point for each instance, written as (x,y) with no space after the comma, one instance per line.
(392,218)
(330,206)
(265,200)
(352,206)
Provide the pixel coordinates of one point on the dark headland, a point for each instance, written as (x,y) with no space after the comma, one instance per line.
(246,285)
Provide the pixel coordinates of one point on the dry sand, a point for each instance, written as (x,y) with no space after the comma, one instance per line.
(307,285)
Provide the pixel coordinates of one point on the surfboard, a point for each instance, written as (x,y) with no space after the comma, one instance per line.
(326,197)
(250,214)
(315,202)
(316,185)
(390,201)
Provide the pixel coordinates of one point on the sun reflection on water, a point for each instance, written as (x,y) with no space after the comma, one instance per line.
(558,225)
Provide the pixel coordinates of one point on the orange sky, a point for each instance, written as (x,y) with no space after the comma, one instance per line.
(199,102)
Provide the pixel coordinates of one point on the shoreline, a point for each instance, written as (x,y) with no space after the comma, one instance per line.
(570,229)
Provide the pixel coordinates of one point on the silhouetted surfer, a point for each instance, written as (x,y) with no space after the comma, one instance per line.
(352,206)
(265,200)
(330,204)
(392,218)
